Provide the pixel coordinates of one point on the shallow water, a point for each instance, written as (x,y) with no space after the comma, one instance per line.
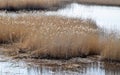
(107,17)
(8,67)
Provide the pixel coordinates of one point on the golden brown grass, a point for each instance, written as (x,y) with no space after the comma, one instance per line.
(57,37)
(10,32)
(50,36)
(111,48)
(11,29)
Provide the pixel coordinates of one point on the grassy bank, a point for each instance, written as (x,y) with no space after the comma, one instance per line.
(49,4)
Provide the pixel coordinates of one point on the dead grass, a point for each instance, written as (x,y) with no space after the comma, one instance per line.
(10,32)
(50,36)
(56,37)
(111,48)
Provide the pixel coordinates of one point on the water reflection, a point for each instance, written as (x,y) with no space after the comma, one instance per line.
(112,69)
(22,68)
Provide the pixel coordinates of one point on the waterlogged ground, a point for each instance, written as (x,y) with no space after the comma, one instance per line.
(105,16)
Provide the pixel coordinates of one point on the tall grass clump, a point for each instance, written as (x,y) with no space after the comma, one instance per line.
(112,48)
(61,45)
(50,36)
(9,31)
(58,37)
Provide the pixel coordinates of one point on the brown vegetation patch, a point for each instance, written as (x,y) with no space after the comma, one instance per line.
(56,37)
(50,36)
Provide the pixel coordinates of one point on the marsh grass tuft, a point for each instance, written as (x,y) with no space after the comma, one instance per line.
(57,37)
(50,36)
(111,48)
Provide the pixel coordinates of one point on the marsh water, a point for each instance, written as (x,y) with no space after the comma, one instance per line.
(13,67)
(107,17)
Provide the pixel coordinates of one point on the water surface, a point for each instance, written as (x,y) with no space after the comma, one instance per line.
(12,67)
(107,17)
